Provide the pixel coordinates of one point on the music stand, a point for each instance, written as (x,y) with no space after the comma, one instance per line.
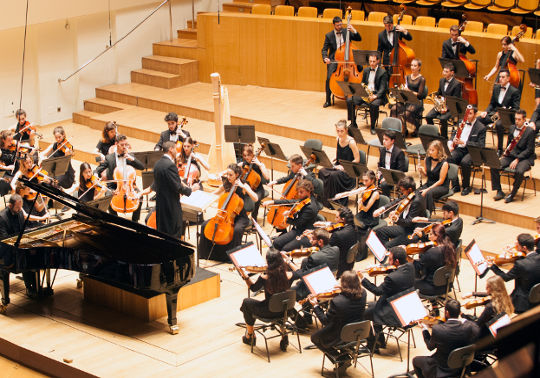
(484,157)
(353,89)
(357,135)
(391,176)
(274,151)
(456,106)
(56,166)
(399,141)
(506,117)
(405,96)
(320,156)
(534,75)
(361,57)
(460,68)
(100,203)
(427,139)
(148,158)
(240,134)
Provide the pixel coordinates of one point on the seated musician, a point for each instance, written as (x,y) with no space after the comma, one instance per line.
(7,160)
(389,38)
(347,307)
(173,132)
(448,86)
(258,167)
(435,168)
(445,337)
(119,159)
(454,228)
(518,156)
(364,219)
(396,234)
(28,131)
(197,161)
(335,180)
(276,280)
(344,238)
(536,90)
(473,134)
(332,42)
(107,141)
(381,312)
(211,251)
(89,187)
(503,96)
(508,54)
(390,157)
(411,114)
(376,80)
(450,46)
(525,273)
(300,220)
(39,212)
(61,147)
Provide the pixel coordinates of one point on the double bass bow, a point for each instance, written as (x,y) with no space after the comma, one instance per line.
(400,57)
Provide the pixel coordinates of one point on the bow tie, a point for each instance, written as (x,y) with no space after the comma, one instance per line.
(503,88)
(447,81)
(173,132)
(339,33)
(388,151)
(468,123)
(454,44)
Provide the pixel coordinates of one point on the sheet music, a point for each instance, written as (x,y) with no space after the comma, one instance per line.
(477,259)
(199,200)
(247,256)
(262,234)
(320,281)
(376,247)
(501,322)
(409,308)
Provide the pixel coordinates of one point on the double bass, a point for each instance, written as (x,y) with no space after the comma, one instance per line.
(220,229)
(400,57)
(346,67)
(514,72)
(468,92)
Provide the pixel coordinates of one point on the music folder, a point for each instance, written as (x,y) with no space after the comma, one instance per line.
(321,280)
(264,236)
(376,246)
(497,322)
(391,176)
(476,258)
(246,255)
(408,306)
(534,75)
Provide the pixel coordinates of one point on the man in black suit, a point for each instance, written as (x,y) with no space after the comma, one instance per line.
(376,79)
(389,38)
(473,134)
(121,158)
(450,46)
(519,157)
(344,238)
(390,157)
(173,133)
(381,312)
(332,42)
(525,273)
(535,119)
(168,188)
(506,96)
(448,86)
(392,236)
(445,337)
(450,211)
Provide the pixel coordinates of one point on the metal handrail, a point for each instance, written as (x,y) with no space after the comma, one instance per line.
(60,80)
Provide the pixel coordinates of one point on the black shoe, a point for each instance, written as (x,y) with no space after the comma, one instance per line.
(284,343)
(372,131)
(327,104)
(509,198)
(499,153)
(466,191)
(456,189)
(500,195)
(248,340)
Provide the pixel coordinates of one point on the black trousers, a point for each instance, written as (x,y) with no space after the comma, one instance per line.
(330,69)
(522,167)
(443,118)
(499,129)
(392,236)
(287,241)
(425,366)
(208,250)
(434,194)
(353,102)
(462,157)
(252,307)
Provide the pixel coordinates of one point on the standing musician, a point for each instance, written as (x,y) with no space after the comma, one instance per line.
(508,54)
(107,141)
(473,134)
(332,42)
(435,168)
(454,228)
(390,157)
(503,96)
(208,249)
(448,86)
(335,180)
(24,130)
(450,46)
(445,337)
(381,312)
(301,216)
(173,133)
(89,187)
(248,157)
(525,273)
(389,38)
(197,160)
(376,79)
(61,147)
(519,156)
(120,158)
(344,238)
(396,234)
(7,160)
(364,219)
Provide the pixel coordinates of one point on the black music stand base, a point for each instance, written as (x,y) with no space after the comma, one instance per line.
(408,373)
(480,218)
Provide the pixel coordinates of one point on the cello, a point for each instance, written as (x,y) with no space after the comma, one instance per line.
(125,199)
(401,57)
(220,229)
(346,68)
(469,92)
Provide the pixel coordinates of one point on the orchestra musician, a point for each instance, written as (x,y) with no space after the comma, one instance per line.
(332,42)
(390,157)
(248,157)
(536,89)
(28,130)
(435,168)
(518,156)
(381,312)
(276,280)
(376,79)
(454,228)
(450,46)
(61,147)
(445,337)
(89,187)
(196,159)
(473,134)
(396,234)
(535,119)
(7,160)
(503,96)
(537,237)
(448,86)
(335,180)
(173,132)
(389,37)
(344,238)
(508,54)
(207,249)
(525,273)
(120,158)
(107,141)
(364,219)
(347,307)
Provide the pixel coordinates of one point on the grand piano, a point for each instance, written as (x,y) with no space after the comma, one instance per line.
(105,247)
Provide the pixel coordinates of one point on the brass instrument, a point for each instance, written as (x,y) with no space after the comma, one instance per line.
(438,101)
(368,91)
(392,100)
(495,117)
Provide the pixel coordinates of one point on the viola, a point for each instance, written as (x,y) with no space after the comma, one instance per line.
(431,320)
(482,301)
(416,248)
(469,92)
(302,252)
(125,199)
(321,296)
(508,257)
(428,228)
(220,229)
(189,172)
(401,57)
(298,207)
(403,205)
(377,270)
(249,175)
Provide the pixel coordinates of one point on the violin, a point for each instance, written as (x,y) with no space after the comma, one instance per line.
(302,252)
(377,270)
(401,57)
(94,182)
(416,248)
(24,148)
(28,128)
(428,228)
(189,172)
(220,229)
(469,92)
(321,296)
(40,175)
(63,147)
(507,257)
(298,207)
(431,320)
(125,200)
(401,206)
(249,175)
(482,301)
(335,226)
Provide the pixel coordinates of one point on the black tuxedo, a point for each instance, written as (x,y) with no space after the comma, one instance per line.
(452,89)
(168,188)
(381,88)
(165,136)
(461,156)
(384,47)
(302,221)
(397,162)
(448,51)
(10,224)
(329,51)
(344,239)
(526,273)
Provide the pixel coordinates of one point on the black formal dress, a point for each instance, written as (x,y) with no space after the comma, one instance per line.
(411,114)
(167,136)
(303,220)
(259,190)
(386,42)
(336,181)
(397,161)
(25,134)
(7,158)
(450,49)
(344,239)
(365,221)
(67,179)
(103,147)
(451,88)
(433,175)
(504,59)
(426,265)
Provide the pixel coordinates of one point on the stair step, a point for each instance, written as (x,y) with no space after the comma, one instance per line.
(186,68)
(192,24)
(188,33)
(155,78)
(178,48)
(103,106)
(83,116)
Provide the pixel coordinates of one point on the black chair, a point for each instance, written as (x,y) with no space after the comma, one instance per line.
(282,304)
(534,294)
(452,175)
(383,201)
(351,253)
(460,358)
(396,332)
(526,177)
(459,250)
(444,276)
(353,336)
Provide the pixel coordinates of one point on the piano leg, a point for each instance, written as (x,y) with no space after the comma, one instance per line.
(172,298)
(4,290)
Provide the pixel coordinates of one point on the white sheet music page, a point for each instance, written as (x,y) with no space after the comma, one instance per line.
(375,245)
(409,308)
(501,322)
(263,235)
(199,200)
(320,281)
(247,256)
(477,259)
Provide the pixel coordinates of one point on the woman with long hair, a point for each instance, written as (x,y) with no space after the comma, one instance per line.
(509,54)
(61,147)
(89,187)
(107,141)
(435,168)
